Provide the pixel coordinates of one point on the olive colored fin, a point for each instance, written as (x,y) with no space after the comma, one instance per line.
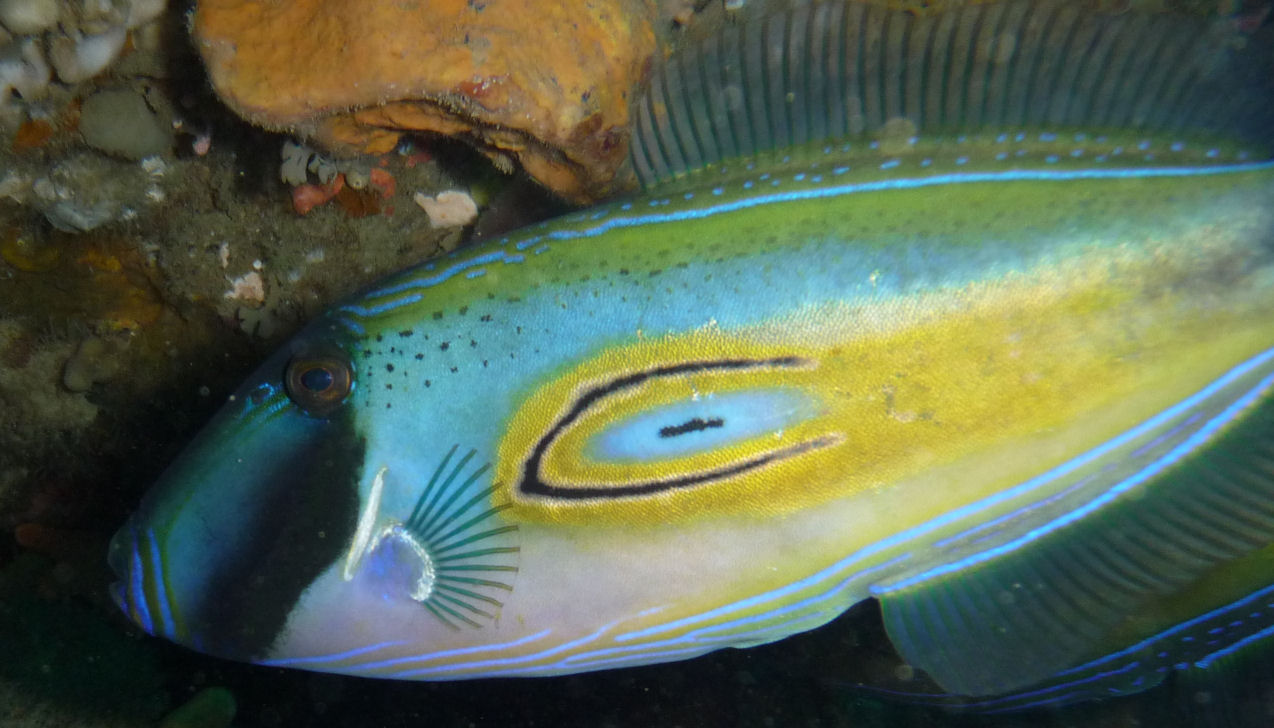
(1062,583)
(1207,652)
(844,69)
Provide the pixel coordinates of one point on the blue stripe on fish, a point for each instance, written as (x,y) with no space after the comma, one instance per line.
(364,311)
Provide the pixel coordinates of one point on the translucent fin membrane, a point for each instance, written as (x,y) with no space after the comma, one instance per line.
(837,70)
(1023,615)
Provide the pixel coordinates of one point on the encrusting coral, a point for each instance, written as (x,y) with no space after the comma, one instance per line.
(545,83)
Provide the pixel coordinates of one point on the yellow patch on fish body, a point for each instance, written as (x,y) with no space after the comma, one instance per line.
(887,388)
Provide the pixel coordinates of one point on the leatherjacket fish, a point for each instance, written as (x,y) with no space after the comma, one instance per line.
(968,312)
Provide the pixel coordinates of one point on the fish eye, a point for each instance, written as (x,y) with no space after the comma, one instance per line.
(319,382)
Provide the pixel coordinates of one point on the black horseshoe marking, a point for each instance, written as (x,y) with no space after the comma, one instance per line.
(532,484)
(697,424)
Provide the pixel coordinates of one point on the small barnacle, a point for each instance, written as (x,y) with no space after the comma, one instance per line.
(356,176)
(323,168)
(298,160)
(295,158)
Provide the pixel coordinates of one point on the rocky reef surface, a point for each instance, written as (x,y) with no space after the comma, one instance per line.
(153,246)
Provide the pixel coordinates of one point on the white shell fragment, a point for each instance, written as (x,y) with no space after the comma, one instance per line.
(144,11)
(26,17)
(80,57)
(449,209)
(295,157)
(23,71)
(249,288)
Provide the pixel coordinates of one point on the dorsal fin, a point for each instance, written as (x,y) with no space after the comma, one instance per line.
(839,69)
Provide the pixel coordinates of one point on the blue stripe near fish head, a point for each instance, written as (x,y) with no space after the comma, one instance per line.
(199,561)
(143,593)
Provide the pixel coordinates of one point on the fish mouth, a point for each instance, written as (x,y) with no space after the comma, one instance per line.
(134,556)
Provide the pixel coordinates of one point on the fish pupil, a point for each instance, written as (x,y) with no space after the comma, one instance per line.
(317,379)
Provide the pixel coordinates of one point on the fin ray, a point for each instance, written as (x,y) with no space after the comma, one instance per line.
(829,70)
(1018,616)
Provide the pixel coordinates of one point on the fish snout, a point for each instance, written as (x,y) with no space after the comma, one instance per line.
(134,555)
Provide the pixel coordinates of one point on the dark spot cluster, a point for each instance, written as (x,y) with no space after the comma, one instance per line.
(397,360)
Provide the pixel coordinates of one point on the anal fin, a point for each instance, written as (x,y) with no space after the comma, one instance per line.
(1022,605)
